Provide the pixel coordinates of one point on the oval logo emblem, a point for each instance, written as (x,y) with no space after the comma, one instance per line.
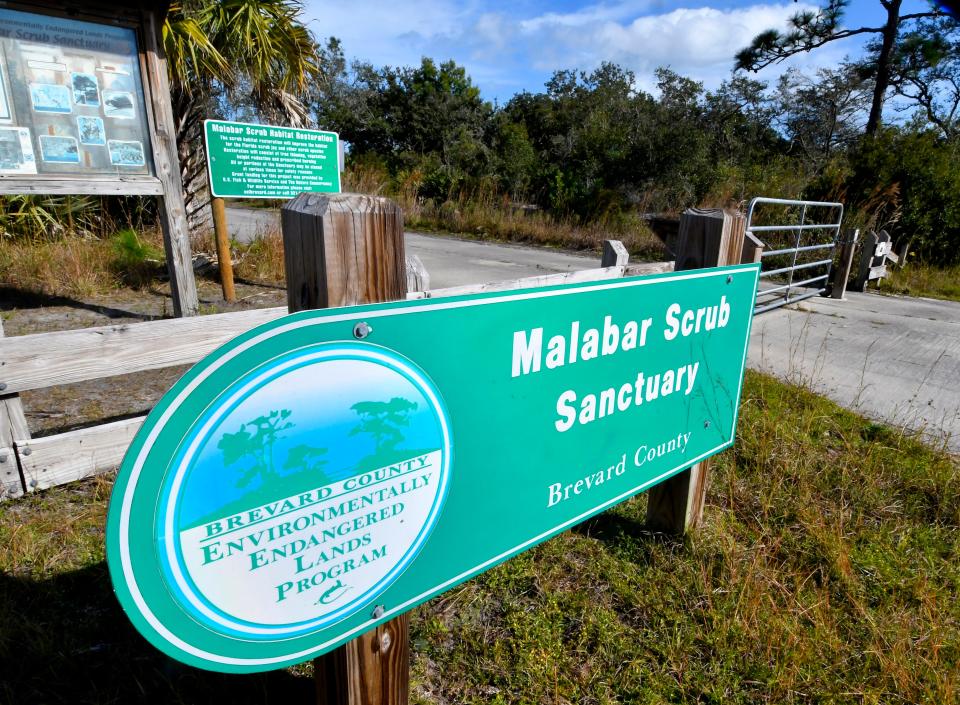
(302,491)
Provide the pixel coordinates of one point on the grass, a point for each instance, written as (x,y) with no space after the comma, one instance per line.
(919,279)
(81,267)
(827,571)
(500,222)
(483,213)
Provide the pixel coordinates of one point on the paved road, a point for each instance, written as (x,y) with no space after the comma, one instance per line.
(449,261)
(892,358)
(895,359)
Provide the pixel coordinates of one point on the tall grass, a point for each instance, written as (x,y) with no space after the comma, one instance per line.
(921,279)
(827,571)
(481,211)
(80,267)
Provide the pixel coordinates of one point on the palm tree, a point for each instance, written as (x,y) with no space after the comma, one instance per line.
(256,52)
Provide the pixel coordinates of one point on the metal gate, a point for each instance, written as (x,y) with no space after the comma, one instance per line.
(806,245)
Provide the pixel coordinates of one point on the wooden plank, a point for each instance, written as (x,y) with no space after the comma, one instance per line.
(13,425)
(579,276)
(708,238)
(92,10)
(74,455)
(418,279)
(615,254)
(340,250)
(752,249)
(173,217)
(64,357)
(87,186)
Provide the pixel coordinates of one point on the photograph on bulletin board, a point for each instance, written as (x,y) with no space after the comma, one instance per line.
(71,98)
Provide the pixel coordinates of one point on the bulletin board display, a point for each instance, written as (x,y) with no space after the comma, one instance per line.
(71,99)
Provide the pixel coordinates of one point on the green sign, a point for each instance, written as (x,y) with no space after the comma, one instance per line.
(262,161)
(300,485)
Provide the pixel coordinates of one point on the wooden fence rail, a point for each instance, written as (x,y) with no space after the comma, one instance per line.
(43,360)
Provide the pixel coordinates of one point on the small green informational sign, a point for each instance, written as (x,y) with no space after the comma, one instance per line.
(299,486)
(263,161)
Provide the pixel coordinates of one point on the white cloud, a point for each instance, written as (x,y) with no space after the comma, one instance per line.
(388,33)
(700,42)
(505,51)
(602,12)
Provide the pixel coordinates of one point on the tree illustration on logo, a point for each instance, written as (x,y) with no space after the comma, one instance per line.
(254,442)
(383,420)
(305,457)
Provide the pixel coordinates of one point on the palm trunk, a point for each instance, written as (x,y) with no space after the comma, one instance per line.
(188,119)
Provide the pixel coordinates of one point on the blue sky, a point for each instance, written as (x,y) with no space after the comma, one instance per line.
(511,46)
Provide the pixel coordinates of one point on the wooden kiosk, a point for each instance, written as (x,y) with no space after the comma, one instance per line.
(85,109)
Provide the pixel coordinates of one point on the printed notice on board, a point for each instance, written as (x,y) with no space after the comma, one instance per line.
(71,98)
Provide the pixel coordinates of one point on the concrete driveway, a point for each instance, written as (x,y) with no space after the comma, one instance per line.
(894,359)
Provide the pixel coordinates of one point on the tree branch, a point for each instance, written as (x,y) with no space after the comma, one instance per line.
(779,54)
(920,16)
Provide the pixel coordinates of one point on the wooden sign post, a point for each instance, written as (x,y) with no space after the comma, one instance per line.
(224,258)
(85,109)
(708,238)
(341,250)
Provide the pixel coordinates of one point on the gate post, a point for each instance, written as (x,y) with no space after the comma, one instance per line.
(842,273)
(867,254)
(708,238)
(340,250)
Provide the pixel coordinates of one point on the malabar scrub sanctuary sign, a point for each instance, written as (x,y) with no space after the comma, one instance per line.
(265,161)
(300,484)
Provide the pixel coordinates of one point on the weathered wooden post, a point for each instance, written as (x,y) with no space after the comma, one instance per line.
(842,273)
(173,212)
(224,259)
(868,252)
(614,254)
(340,250)
(752,249)
(708,238)
(13,425)
(418,278)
